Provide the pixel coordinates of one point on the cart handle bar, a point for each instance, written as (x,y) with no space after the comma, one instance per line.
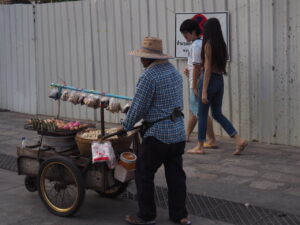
(90,91)
(118,133)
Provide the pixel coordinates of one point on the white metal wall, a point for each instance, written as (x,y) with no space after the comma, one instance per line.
(64,53)
(86,43)
(17,59)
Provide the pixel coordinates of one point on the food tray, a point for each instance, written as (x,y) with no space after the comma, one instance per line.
(58,132)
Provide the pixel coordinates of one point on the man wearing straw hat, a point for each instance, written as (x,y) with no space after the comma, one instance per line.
(158,101)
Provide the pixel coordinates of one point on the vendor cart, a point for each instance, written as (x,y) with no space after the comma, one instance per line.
(61,177)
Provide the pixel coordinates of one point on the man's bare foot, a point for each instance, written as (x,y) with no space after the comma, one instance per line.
(240,147)
(196,150)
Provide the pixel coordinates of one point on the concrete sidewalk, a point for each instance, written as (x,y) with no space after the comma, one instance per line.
(18,206)
(265,175)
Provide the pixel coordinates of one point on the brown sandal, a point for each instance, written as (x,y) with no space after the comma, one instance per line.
(210,146)
(241,148)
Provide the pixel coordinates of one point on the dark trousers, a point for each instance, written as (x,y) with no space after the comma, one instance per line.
(151,155)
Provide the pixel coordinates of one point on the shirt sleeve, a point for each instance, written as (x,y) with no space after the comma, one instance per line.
(141,101)
(196,55)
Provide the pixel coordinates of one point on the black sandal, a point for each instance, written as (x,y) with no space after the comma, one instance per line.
(135,220)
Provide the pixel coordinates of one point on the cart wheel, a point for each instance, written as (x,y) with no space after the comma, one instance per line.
(30,183)
(113,192)
(61,186)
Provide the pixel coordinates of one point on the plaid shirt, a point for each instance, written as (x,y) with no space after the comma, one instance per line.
(158,92)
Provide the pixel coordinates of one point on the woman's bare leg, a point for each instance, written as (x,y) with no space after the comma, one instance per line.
(191,125)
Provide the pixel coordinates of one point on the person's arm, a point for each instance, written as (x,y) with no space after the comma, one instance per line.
(207,72)
(186,72)
(196,60)
(196,75)
(141,102)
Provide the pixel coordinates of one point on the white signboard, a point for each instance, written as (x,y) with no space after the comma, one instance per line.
(181,46)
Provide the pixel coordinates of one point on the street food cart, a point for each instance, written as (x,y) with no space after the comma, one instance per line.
(60,165)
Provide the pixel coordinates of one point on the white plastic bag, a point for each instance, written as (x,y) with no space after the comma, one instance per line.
(112,161)
(126,108)
(104,101)
(104,152)
(100,154)
(73,97)
(81,98)
(92,101)
(114,106)
(65,95)
(54,93)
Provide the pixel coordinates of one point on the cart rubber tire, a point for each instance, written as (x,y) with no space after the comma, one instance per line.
(76,180)
(31,183)
(114,192)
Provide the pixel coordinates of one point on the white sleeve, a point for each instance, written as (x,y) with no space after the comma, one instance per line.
(196,55)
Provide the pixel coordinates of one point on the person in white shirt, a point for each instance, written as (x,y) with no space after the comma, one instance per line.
(191,32)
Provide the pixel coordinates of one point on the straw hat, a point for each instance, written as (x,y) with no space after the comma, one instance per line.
(151,48)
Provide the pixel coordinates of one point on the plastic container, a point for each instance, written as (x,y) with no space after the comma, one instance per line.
(123,175)
(127,160)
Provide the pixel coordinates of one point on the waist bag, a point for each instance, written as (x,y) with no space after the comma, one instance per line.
(147,124)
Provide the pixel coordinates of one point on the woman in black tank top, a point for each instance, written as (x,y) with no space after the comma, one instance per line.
(211,86)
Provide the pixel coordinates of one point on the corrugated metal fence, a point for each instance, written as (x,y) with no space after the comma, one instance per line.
(85,44)
(18,87)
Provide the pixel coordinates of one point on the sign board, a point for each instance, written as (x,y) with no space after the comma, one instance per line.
(181,46)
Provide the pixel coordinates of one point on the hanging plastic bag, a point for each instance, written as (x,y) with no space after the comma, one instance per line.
(74,97)
(104,101)
(54,93)
(92,101)
(114,106)
(112,161)
(126,108)
(65,95)
(99,152)
(81,98)
(104,152)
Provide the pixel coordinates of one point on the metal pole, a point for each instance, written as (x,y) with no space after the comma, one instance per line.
(102,119)
(90,91)
(58,110)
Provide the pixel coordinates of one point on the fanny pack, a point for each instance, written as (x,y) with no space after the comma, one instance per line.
(147,125)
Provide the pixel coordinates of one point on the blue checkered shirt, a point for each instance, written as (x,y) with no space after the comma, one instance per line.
(159,90)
